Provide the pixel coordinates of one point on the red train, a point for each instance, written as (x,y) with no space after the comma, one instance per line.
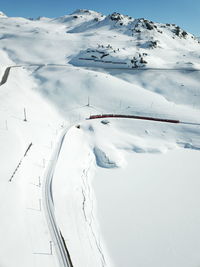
(131,117)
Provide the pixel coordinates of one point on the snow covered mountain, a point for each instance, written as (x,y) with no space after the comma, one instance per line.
(125,191)
(2,15)
(146,46)
(131,42)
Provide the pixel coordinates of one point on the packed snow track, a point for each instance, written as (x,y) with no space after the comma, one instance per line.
(57,238)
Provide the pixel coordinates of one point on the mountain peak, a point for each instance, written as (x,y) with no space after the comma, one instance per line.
(2,15)
(119,17)
(84,12)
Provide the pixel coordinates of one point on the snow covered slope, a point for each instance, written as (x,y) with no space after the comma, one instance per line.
(63,70)
(2,15)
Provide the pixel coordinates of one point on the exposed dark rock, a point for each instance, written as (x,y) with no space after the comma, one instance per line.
(116,16)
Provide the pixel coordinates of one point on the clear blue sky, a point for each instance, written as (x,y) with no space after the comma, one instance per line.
(185,13)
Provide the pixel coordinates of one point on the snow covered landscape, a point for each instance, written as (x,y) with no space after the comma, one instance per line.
(105,191)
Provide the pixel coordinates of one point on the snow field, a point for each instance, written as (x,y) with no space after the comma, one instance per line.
(56,93)
(135,149)
(152,218)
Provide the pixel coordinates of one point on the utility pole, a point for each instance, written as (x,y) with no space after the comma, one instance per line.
(88,104)
(25,115)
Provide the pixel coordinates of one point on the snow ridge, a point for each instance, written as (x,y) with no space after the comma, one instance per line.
(2,15)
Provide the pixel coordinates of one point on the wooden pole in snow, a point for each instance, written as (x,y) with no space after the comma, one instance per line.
(88,104)
(25,115)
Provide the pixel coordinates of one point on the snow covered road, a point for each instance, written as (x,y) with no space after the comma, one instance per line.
(60,247)
(5,76)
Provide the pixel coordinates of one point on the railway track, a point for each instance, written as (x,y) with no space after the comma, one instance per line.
(61,250)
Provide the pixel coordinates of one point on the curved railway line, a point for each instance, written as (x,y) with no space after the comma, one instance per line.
(62,252)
